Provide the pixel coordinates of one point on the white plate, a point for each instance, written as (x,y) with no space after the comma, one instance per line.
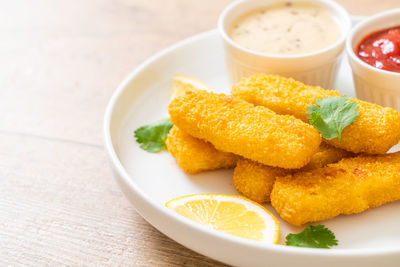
(149,180)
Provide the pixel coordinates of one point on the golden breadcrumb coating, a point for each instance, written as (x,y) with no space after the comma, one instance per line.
(350,186)
(233,125)
(375,130)
(194,155)
(255,180)
(326,154)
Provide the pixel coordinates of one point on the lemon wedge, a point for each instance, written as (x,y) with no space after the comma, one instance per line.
(182,83)
(229,214)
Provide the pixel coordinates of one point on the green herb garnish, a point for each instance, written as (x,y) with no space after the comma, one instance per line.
(152,137)
(331,115)
(312,237)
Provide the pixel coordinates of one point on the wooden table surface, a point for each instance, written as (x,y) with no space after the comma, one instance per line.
(60,63)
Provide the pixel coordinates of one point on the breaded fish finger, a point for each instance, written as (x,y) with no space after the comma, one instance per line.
(194,155)
(326,154)
(233,125)
(352,185)
(255,180)
(375,130)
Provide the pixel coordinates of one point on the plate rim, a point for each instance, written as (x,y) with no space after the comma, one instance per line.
(128,180)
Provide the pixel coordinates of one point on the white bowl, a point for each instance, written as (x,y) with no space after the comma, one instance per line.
(316,68)
(149,180)
(372,84)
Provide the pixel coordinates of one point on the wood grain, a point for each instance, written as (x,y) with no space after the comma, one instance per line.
(60,63)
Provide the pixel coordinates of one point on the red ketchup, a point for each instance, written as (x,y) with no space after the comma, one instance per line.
(381,49)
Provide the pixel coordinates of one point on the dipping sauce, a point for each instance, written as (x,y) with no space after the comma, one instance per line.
(286,29)
(381,49)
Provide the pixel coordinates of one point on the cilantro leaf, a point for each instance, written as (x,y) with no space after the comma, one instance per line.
(331,115)
(312,237)
(152,137)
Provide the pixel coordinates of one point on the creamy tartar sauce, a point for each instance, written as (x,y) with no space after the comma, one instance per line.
(286,29)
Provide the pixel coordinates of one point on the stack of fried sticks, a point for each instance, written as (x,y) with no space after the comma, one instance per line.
(262,130)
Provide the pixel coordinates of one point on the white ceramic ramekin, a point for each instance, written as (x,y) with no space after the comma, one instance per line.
(316,68)
(372,84)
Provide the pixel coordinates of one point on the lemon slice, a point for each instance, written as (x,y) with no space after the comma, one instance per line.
(182,83)
(229,214)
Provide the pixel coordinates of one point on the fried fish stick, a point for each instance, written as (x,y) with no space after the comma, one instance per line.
(233,125)
(194,155)
(350,186)
(375,130)
(255,180)
(326,154)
